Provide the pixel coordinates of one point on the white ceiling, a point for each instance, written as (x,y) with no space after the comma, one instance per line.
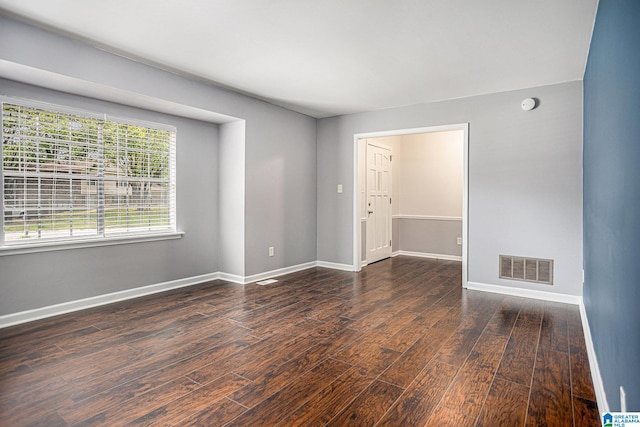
(332,57)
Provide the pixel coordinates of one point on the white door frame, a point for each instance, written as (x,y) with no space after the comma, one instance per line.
(357,238)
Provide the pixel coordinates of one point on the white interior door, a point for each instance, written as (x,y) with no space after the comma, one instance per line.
(378,206)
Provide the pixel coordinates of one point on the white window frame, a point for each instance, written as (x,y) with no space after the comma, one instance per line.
(49,244)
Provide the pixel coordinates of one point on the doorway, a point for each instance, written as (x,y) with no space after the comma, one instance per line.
(364,237)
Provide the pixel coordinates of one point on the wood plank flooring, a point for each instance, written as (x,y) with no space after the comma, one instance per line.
(398,344)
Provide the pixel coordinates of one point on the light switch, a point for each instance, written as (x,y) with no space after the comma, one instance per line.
(339,188)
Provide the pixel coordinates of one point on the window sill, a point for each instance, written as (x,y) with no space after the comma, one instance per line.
(77,244)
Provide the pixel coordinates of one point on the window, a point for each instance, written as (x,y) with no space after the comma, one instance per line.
(74,176)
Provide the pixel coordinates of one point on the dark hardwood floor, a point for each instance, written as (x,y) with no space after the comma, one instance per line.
(399,344)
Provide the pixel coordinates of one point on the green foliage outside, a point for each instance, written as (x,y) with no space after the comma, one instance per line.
(36,141)
(33,136)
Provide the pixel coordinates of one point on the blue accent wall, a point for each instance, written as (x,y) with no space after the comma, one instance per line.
(612,197)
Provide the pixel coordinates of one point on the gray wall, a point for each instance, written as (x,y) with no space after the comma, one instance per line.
(429,236)
(36,280)
(272,135)
(280,190)
(525,179)
(612,198)
(231,196)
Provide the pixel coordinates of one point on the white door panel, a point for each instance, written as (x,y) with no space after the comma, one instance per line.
(378,207)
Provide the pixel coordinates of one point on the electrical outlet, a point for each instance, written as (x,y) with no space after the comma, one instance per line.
(623,400)
(459,240)
(272,251)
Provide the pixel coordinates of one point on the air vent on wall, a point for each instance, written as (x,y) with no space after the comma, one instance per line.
(527,269)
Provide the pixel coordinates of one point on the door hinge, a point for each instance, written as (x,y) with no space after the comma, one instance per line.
(389,200)
(391,157)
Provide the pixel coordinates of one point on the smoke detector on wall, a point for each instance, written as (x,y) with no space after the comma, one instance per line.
(528,104)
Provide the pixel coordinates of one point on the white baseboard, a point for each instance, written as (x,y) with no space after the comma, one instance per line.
(428,255)
(278,272)
(596,377)
(526,293)
(335,266)
(81,304)
(428,217)
(233,278)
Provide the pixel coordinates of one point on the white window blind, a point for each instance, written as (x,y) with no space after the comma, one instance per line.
(70,176)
